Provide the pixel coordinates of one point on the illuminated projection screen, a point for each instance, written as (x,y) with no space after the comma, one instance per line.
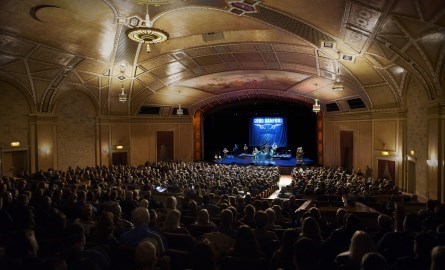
(268,130)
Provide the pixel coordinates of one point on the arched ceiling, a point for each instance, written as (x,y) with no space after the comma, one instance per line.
(224,51)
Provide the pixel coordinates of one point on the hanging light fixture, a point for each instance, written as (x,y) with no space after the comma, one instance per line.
(147,34)
(338,84)
(179,111)
(122,96)
(316,107)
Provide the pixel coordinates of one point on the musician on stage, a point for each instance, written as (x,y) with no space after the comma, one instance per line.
(235,149)
(299,155)
(225,151)
(273,151)
(245,148)
(255,153)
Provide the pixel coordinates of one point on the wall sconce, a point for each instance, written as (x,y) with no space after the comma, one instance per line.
(385,153)
(432,162)
(15,144)
(411,152)
(119,147)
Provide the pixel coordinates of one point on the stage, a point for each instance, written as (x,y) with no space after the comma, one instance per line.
(249,160)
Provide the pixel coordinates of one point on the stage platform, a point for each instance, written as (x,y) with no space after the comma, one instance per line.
(280,162)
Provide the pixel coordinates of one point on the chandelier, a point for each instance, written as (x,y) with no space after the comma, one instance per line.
(147,34)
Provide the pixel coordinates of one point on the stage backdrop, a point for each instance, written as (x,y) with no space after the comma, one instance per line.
(268,130)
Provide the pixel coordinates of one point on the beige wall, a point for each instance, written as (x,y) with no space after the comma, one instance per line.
(14,111)
(76,131)
(417,133)
(370,135)
(138,138)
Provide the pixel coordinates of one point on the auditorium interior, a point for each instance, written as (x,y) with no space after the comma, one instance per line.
(97,83)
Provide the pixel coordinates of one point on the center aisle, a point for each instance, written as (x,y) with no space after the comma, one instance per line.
(284,181)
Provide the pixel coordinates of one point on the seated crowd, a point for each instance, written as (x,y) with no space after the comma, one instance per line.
(108,218)
(321,180)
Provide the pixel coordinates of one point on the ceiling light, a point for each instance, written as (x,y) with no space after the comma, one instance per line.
(338,86)
(122,96)
(147,34)
(179,111)
(316,106)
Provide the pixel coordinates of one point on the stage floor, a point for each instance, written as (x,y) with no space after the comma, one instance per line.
(292,162)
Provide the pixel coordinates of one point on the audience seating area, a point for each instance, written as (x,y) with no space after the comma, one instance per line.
(176,215)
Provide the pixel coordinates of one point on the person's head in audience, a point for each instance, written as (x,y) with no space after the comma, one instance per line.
(145,256)
(352,223)
(438,258)
(311,229)
(21,244)
(340,216)
(86,212)
(270,217)
(411,223)
(306,254)
(226,218)
(114,208)
(140,216)
(170,203)
(153,218)
(249,210)
(105,226)
(74,237)
(172,220)
(374,261)
(260,219)
(423,244)
(361,243)
(25,221)
(288,240)
(384,222)
(144,203)
(203,217)
(315,213)
(203,255)
(246,245)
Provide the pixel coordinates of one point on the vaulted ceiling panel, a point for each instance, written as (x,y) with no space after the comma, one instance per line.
(265,45)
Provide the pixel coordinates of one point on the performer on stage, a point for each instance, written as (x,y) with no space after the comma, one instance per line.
(255,153)
(245,148)
(299,155)
(235,149)
(225,151)
(273,151)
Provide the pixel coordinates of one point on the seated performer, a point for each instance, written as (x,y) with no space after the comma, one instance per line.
(299,155)
(274,149)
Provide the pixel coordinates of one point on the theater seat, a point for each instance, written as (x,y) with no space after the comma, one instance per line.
(199,230)
(236,263)
(180,241)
